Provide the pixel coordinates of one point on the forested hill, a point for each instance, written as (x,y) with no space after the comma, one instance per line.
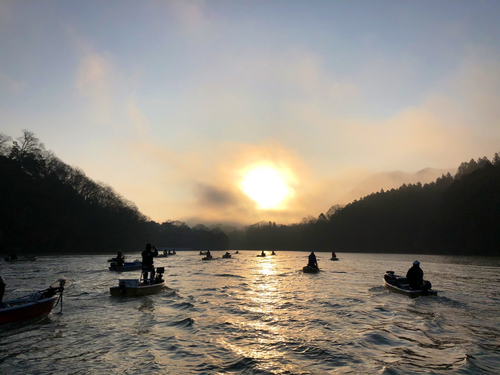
(47,207)
(454,215)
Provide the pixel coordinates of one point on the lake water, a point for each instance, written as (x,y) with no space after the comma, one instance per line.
(250,315)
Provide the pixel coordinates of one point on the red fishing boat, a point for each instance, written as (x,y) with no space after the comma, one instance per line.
(34,305)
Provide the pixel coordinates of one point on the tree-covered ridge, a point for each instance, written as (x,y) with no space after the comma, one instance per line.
(48,206)
(454,215)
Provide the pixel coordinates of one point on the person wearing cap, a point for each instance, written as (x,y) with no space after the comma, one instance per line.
(415,276)
(148,262)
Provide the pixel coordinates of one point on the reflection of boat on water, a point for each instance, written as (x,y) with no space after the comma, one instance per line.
(34,305)
(139,287)
(399,284)
(127,266)
(24,258)
(310,269)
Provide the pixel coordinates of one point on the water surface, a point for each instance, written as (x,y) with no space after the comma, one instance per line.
(251,315)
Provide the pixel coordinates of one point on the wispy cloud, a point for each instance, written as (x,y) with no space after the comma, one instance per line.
(93,82)
(10,84)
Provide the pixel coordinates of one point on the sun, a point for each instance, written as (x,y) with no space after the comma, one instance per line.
(265,186)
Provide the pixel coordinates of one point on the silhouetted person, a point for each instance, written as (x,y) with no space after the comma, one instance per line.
(415,276)
(312,260)
(120,259)
(2,289)
(333,254)
(208,254)
(263,254)
(148,262)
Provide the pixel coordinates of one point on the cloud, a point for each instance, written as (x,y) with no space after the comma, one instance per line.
(214,196)
(137,117)
(93,83)
(11,85)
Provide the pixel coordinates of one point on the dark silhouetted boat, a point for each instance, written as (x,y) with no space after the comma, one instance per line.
(127,266)
(399,284)
(309,269)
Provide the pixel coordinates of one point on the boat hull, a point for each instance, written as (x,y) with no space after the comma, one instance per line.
(132,266)
(334,258)
(21,310)
(391,284)
(309,269)
(136,290)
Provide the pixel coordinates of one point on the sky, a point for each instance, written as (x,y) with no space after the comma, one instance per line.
(176,103)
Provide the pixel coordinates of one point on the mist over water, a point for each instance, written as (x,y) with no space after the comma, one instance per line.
(255,315)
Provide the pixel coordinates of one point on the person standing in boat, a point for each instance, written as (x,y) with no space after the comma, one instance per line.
(313,262)
(333,254)
(148,262)
(415,276)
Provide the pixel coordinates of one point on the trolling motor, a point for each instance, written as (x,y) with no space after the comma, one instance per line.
(55,288)
(159,274)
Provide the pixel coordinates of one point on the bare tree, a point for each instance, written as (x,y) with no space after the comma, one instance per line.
(4,144)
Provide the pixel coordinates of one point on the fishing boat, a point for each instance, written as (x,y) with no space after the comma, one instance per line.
(334,258)
(139,287)
(310,269)
(263,254)
(399,284)
(14,258)
(34,305)
(208,257)
(127,266)
(226,255)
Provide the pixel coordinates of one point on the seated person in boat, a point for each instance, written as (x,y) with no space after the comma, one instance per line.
(415,276)
(208,254)
(312,260)
(333,254)
(273,253)
(148,262)
(263,254)
(120,259)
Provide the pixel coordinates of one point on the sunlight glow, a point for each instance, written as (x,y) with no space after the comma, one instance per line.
(265,186)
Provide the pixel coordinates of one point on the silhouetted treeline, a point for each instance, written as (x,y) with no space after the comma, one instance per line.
(454,215)
(47,206)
